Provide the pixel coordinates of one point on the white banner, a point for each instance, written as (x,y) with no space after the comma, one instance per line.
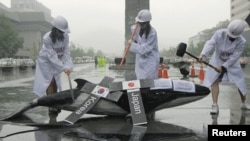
(134,84)
(162,83)
(184,86)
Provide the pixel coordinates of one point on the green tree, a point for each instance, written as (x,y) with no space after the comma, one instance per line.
(246,52)
(76,51)
(164,52)
(191,47)
(99,53)
(90,52)
(199,48)
(10,41)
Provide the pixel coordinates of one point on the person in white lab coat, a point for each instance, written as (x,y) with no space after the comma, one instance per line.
(228,45)
(53,59)
(145,46)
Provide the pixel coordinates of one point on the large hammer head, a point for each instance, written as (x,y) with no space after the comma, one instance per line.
(181,50)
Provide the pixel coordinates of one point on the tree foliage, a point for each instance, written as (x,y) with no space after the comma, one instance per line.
(246,52)
(10,41)
(78,51)
(195,49)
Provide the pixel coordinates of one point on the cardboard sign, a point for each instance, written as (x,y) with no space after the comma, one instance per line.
(82,109)
(136,107)
(96,92)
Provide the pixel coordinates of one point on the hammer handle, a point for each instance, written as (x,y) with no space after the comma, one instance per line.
(71,90)
(202,61)
(127,49)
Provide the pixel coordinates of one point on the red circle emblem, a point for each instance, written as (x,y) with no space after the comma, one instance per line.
(101,90)
(131,84)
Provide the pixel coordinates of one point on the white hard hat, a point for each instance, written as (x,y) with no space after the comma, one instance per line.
(143,16)
(61,23)
(235,28)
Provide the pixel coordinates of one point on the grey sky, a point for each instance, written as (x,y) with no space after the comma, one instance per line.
(101,23)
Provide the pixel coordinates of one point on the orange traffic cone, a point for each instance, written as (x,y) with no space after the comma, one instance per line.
(165,71)
(201,74)
(160,71)
(192,70)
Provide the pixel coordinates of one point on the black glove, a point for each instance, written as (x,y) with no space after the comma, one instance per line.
(224,70)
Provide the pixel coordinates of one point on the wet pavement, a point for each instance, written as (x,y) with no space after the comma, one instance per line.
(182,123)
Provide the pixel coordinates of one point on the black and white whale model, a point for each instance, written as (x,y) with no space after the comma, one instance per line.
(165,93)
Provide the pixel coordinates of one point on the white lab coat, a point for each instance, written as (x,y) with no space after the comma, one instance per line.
(227,54)
(147,54)
(48,64)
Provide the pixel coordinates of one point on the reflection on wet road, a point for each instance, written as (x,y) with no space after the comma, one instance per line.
(182,123)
